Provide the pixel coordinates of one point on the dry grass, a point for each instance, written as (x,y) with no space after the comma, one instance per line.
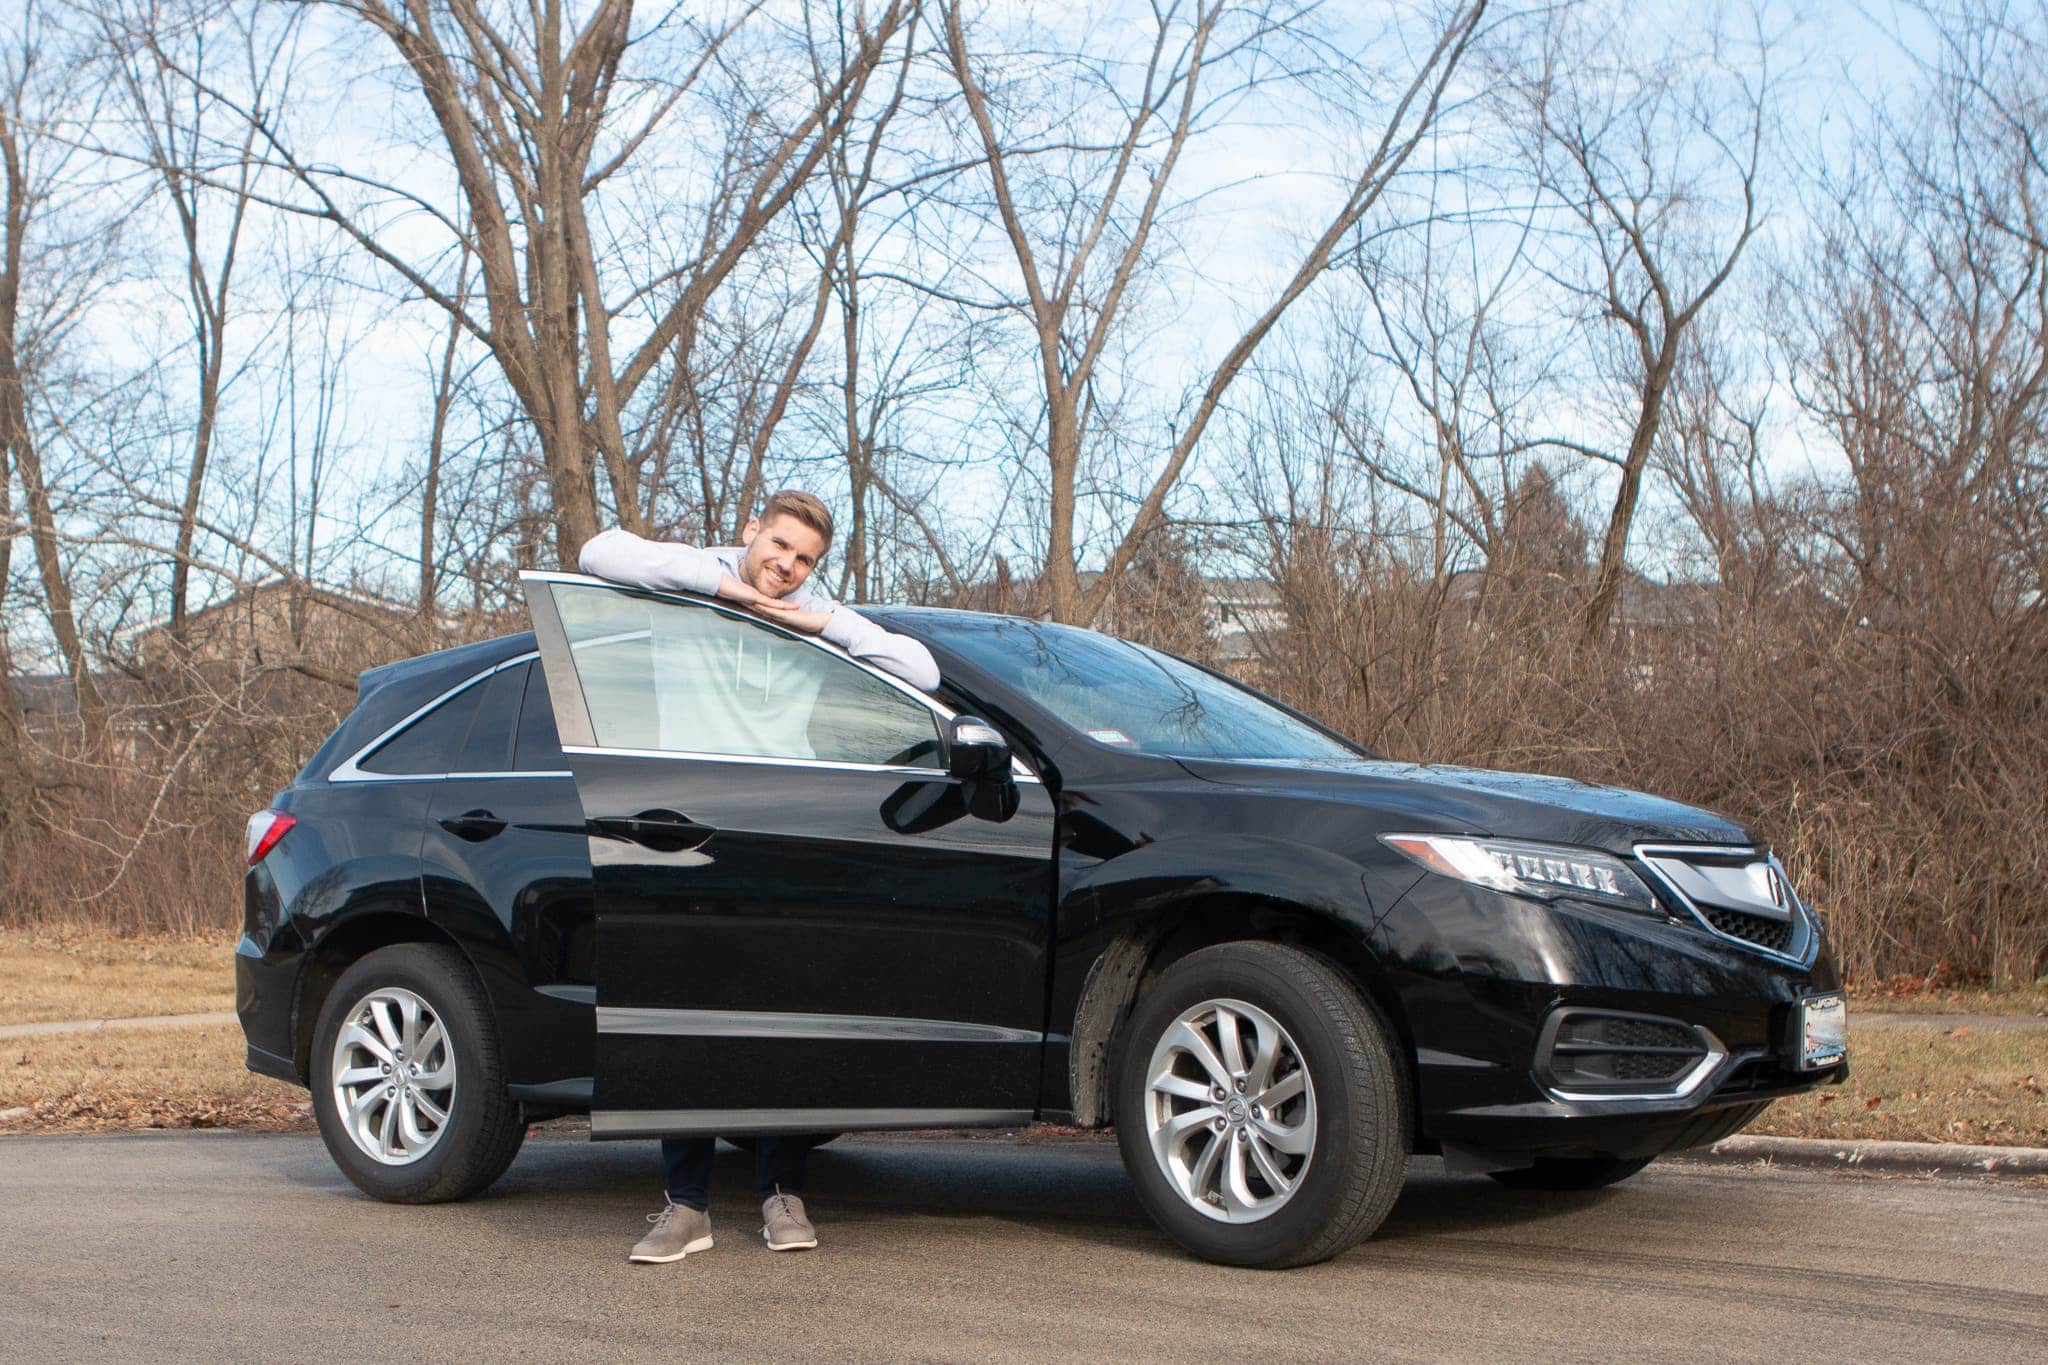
(1931,1084)
(100,976)
(145,1078)
(1887,999)
(1910,1083)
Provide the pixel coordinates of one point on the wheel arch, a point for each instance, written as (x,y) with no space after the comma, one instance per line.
(1149,943)
(341,947)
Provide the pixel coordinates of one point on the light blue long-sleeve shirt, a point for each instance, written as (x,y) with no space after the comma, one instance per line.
(664,566)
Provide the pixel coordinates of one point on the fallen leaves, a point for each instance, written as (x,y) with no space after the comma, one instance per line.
(81,1111)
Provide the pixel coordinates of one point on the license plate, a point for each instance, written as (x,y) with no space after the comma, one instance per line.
(1823,1031)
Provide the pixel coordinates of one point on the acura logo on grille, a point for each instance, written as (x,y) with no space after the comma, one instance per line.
(1779,891)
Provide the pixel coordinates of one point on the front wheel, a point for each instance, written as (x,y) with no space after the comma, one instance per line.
(408,1082)
(1572,1173)
(1261,1110)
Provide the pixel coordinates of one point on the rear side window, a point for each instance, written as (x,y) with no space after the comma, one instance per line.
(431,743)
(539,747)
(489,748)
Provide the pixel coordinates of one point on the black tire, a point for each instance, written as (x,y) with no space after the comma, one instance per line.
(1572,1173)
(484,1128)
(1359,1159)
(745,1141)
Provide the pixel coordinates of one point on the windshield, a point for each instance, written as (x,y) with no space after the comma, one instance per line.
(1129,697)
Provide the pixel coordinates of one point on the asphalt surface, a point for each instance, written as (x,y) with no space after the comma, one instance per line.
(210,1246)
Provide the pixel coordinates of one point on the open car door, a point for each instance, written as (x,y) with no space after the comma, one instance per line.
(800,924)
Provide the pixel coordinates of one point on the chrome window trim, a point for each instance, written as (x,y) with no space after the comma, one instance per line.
(763,760)
(1018,768)
(350,769)
(684,1023)
(622,1123)
(1647,854)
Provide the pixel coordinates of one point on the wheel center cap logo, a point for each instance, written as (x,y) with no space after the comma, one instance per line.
(1236,1111)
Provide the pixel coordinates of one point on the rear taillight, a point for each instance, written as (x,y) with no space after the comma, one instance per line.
(266,827)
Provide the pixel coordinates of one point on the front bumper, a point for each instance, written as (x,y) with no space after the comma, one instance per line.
(1482,978)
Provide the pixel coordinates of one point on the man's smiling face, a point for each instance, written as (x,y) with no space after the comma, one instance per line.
(781,552)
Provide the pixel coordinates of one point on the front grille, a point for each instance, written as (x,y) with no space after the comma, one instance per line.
(1595,1051)
(1764,933)
(1738,893)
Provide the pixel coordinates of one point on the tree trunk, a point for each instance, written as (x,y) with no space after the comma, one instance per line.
(1063,452)
(1614,547)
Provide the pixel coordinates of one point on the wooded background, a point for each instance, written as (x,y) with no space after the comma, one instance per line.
(1648,393)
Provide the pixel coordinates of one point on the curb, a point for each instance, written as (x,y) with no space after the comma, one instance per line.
(1924,1158)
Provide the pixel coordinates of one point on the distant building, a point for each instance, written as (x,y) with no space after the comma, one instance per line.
(278,619)
(1241,611)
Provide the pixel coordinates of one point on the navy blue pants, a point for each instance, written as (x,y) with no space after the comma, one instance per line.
(779,1164)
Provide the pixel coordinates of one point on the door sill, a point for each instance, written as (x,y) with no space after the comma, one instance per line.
(642,1123)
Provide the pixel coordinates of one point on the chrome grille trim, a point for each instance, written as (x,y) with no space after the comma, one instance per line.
(1709,1049)
(1805,931)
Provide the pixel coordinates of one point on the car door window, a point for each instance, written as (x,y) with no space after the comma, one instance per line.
(680,678)
(538,748)
(430,744)
(489,746)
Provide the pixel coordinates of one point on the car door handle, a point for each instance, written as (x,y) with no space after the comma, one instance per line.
(474,825)
(665,831)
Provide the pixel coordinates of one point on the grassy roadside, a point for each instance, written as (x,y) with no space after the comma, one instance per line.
(1911,1082)
(122,1080)
(1907,997)
(1929,1084)
(46,976)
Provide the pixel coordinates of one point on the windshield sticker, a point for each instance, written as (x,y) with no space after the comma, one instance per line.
(1112,737)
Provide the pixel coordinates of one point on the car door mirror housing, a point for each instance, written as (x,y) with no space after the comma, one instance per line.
(975,750)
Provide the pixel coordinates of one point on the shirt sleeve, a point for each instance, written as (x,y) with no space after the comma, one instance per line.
(886,650)
(623,557)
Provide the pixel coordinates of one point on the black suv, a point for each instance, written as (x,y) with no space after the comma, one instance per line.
(668,864)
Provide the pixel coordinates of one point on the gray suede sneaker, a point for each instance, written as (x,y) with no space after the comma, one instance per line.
(678,1231)
(783,1225)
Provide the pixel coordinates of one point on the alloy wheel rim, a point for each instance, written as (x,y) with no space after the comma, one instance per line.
(394,1076)
(1230,1111)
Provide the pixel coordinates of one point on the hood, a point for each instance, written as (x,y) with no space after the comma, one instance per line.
(1426,798)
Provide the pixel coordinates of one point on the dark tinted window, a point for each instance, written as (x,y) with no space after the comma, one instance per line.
(540,749)
(431,743)
(489,749)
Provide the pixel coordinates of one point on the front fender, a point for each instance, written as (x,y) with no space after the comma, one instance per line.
(1115,916)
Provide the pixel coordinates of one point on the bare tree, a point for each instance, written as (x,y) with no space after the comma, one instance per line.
(1921,349)
(40,125)
(1079,258)
(188,143)
(539,116)
(1637,149)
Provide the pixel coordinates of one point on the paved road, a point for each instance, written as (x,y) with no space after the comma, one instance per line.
(219,1246)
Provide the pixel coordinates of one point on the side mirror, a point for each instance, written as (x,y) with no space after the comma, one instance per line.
(975,750)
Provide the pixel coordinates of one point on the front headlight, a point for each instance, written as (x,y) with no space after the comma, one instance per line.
(1543,871)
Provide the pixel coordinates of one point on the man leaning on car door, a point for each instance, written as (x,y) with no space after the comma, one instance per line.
(765,573)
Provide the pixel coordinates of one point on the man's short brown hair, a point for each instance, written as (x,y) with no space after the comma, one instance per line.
(805,507)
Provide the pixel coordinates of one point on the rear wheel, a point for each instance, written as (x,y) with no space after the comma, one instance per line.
(1260,1108)
(408,1080)
(1572,1173)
